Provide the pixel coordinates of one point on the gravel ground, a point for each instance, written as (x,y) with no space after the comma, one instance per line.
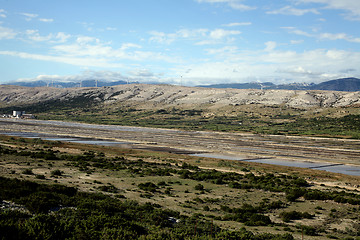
(343,151)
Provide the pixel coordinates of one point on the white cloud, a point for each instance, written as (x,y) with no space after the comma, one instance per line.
(168,38)
(221,33)
(29,16)
(237,24)
(270,46)
(35,36)
(288,10)
(192,33)
(239,6)
(84,49)
(144,73)
(233,65)
(90,48)
(298,70)
(296,41)
(46,19)
(225,51)
(162,37)
(126,46)
(235,4)
(87,51)
(104,75)
(308,66)
(62,37)
(111,29)
(338,36)
(7,33)
(324,36)
(297,31)
(86,39)
(352,7)
(202,36)
(136,75)
(91,27)
(76,61)
(2,13)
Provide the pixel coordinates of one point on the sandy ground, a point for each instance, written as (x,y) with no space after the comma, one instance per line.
(247,146)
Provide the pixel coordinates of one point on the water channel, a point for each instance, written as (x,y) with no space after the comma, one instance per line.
(330,167)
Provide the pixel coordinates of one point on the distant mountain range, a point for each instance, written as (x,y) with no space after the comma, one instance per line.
(58,84)
(343,84)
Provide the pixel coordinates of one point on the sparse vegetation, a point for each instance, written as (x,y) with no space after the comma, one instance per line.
(165,195)
(250,115)
(344,126)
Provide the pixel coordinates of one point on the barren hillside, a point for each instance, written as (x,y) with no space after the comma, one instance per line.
(168,95)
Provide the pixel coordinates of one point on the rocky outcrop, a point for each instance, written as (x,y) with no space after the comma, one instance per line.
(169,95)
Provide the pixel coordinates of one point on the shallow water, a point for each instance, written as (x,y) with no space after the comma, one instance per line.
(345,169)
(290,163)
(99,142)
(65,139)
(218,156)
(324,166)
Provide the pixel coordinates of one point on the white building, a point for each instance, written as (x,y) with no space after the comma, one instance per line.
(18,114)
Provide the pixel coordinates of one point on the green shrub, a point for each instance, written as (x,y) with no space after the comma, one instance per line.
(56,172)
(39,176)
(108,188)
(199,187)
(27,172)
(294,215)
(294,193)
(309,230)
(148,186)
(258,220)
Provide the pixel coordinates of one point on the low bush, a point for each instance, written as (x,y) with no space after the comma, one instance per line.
(27,172)
(294,215)
(56,172)
(148,186)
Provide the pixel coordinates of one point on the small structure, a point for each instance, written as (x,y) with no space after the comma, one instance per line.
(18,114)
(27,116)
(22,114)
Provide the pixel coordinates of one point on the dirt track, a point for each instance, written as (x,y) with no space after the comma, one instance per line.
(247,145)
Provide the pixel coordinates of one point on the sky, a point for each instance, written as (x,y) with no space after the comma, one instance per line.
(181,42)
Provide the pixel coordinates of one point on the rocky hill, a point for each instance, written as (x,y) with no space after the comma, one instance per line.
(143,95)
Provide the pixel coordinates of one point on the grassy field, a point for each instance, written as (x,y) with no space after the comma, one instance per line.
(191,197)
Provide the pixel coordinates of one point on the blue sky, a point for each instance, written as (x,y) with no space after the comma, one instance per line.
(188,42)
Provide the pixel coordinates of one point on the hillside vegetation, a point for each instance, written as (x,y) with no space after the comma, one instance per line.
(321,113)
(55,190)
